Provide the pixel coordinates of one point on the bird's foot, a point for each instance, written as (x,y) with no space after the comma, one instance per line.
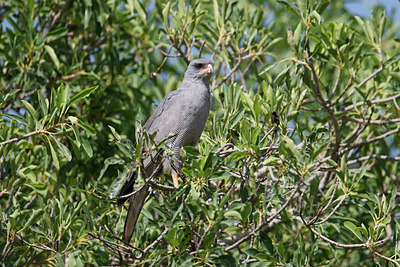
(175,180)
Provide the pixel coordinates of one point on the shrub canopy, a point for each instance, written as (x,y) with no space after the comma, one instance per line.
(298,164)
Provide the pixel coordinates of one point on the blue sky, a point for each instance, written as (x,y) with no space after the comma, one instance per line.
(363,8)
(360,8)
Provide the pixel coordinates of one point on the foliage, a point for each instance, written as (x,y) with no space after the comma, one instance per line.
(299,161)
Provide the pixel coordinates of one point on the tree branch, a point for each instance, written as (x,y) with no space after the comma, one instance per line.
(240,241)
(368,141)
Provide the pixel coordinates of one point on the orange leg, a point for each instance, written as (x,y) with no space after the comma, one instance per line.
(175,179)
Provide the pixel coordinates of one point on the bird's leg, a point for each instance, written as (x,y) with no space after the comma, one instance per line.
(176,165)
(175,179)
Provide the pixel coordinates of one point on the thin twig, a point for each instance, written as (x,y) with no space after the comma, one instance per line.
(127,248)
(37,246)
(56,18)
(69,242)
(268,220)
(226,77)
(16,139)
(368,141)
(30,201)
(335,87)
(201,47)
(366,79)
(324,103)
(155,242)
(358,104)
(333,211)
(371,122)
(382,157)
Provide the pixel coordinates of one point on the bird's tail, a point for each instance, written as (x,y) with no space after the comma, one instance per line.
(127,188)
(136,203)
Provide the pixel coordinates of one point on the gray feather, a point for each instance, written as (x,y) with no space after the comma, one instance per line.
(182,113)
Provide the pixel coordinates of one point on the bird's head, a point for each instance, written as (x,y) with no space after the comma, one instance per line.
(200,69)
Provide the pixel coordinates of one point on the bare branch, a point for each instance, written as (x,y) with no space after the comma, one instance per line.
(368,141)
(372,122)
(125,246)
(201,47)
(16,139)
(155,242)
(335,87)
(226,77)
(333,210)
(57,17)
(348,246)
(366,79)
(69,242)
(358,104)
(382,157)
(37,246)
(269,219)
(324,103)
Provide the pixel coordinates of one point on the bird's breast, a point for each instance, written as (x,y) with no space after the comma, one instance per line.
(194,117)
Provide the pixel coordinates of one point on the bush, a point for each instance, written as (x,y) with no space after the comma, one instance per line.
(298,162)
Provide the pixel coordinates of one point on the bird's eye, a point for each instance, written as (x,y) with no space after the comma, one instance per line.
(197,66)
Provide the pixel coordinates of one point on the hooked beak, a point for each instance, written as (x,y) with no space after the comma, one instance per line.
(207,70)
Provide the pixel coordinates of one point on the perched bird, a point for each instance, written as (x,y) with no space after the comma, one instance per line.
(181,115)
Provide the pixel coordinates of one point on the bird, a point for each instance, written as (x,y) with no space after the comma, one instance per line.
(179,119)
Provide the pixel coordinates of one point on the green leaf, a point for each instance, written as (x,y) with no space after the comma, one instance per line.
(352,228)
(247,99)
(86,146)
(288,147)
(82,94)
(53,56)
(266,242)
(130,6)
(165,14)
(245,212)
(226,260)
(332,163)
(216,13)
(396,76)
(313,191)
(30,109)
(141,11)
(16,118)
(56,34)
(235,118)
(114,133)
(35,215)
(44,104)
(63,148)
(233,213)
(170,237)
(54,155)
(85,125)
(317,16)
(210,237)
(225,199)
(272,161)
(290,8)
(9,95)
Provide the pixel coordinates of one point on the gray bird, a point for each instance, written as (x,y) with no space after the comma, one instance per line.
(181,115)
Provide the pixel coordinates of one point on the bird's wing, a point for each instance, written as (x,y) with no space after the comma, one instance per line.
(165,114)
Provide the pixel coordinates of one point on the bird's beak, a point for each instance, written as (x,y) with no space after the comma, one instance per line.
(207,70)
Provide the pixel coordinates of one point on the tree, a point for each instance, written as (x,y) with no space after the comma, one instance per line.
(298,162)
